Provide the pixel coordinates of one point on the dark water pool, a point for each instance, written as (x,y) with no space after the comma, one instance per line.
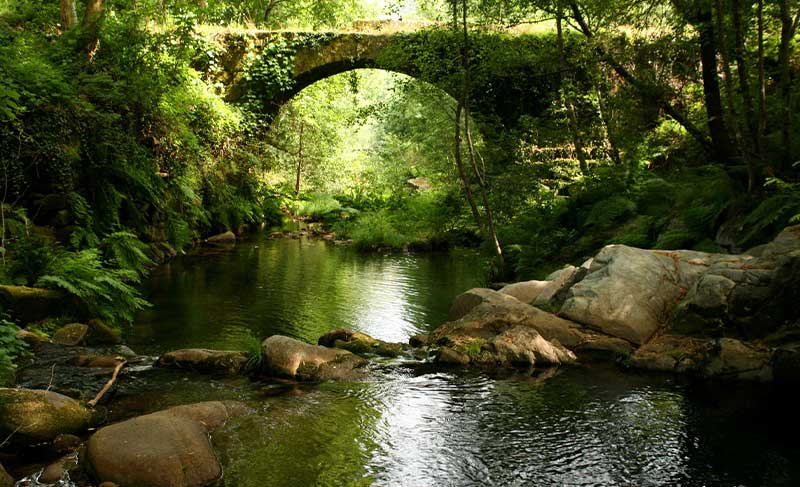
(420,426)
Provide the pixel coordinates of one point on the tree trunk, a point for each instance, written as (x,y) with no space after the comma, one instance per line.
(577,141)
(727,77)
(783,82)
(762,88)
(607,119)
(720,141)
(744,90)
(91,25)
(487,208)
(462,174)
(299,164)
(647,91)
(69,14)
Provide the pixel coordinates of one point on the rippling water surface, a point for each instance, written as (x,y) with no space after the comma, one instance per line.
(414,425)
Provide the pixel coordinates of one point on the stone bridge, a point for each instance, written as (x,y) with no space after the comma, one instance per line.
(512,76)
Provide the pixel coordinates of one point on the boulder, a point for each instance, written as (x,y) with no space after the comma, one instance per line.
(58,470)
(724,358)
(467,301)
(227,237)
(498,312)
(526,291)
(523,346)
(30,304)
(168,448)
(732,358)
(71,335)
(417,341)
(359,343)
(560,282)
(32,416)
(6,480)
(287,357)
(631,293)
(205,360)
(669,353)
(102,334)
(447,355)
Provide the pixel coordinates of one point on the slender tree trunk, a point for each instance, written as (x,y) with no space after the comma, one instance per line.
(783,82)
(727,77)
(753,147)
(299,164)
(69,14)
(487,208)
(648,92)
(762,85)
(462,174)
(607,119)
(720,141)
(577,141)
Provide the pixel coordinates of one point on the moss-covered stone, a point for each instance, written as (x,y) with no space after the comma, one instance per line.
(31,416)
(29,304)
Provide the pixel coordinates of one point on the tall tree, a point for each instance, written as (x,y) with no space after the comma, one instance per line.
(69,14)
(567,96)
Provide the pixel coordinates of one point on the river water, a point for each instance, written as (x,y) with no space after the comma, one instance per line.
(417,425)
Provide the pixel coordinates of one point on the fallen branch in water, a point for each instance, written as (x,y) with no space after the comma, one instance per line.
(108,385)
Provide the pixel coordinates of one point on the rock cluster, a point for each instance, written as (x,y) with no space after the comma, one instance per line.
(712,315)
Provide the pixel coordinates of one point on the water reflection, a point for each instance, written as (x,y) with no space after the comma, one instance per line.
(298,288)
(417,427)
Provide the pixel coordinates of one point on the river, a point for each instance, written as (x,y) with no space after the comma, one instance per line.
(417,425)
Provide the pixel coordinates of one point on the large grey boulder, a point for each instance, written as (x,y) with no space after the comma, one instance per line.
(32,416)
(287,357)
(168,448)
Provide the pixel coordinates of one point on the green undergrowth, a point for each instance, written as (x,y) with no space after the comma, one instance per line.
(682,209)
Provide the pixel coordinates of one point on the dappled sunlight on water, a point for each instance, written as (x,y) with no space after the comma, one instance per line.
(412,425)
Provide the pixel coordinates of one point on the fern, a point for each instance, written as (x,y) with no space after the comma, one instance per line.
(126,251)
(12,348)
(773,213)
(106,293)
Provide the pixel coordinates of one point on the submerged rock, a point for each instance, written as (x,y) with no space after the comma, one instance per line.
(168,448)
(205,360)
(359,343)
(287,357)
(32,416)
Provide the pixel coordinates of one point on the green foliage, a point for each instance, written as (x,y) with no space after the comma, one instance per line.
(126,252)
(317,207)
(780,208)
(105,292)
(12,348)
(30,256)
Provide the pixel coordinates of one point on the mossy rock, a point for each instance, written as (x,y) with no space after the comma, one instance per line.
(31,416)
(30,304)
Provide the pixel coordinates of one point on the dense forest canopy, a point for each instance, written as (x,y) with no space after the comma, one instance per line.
(668,125)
